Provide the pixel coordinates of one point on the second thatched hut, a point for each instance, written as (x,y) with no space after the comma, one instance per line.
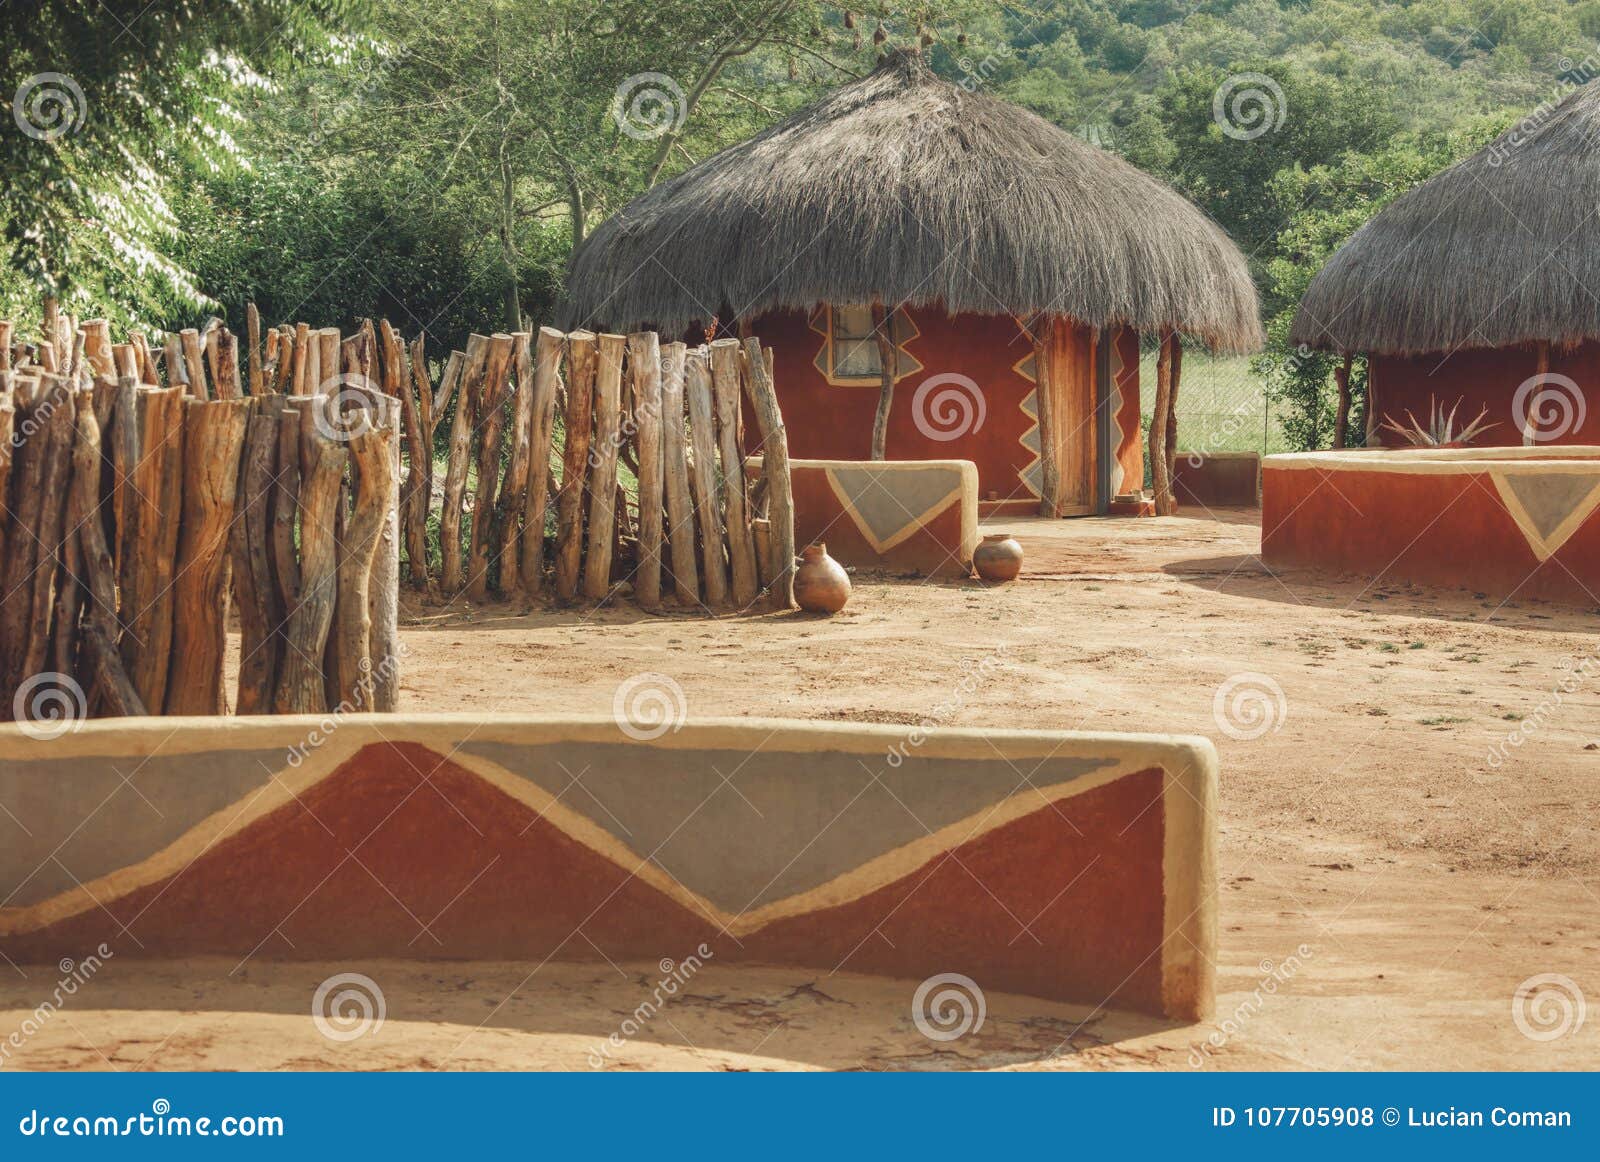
(1478,292)
(921,257)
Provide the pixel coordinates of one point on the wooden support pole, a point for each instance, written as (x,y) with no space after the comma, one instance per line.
(1341,415)
(327,363)
(455,477)
(644,361)
(708,507)
(301,686)
(96,335)
(213,438)
(603,467)
(1172,417)
(736,509)
(883,332)
(578,420)
(29,451)
(398,383)
(1159,428)
(774,471)
(1541,368)
(261,609)
(101,628)
(371,464)
(551,346)
(148,566)
(1044,378)
(491,423)
(675,460)
(1372,420)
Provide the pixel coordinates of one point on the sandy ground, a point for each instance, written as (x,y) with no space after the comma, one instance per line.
(1387,890)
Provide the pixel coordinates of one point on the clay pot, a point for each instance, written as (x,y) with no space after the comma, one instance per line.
(998,558)
(820,583)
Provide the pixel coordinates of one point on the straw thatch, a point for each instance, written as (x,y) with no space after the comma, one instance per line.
(904,187)
(1500,249)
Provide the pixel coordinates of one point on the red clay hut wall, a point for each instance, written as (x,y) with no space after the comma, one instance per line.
(829,421)
(1484,377)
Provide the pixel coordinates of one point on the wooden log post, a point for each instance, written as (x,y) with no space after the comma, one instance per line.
(252,336)
(213,438)
(28,451)
(194,366)
(708,507)
(644,361)
(1049,423)
(419,474)
(1341,415)
(603,467)
(227,377)
(735,503)
(550,348)
(371,464)
(582,347)
(1373,439)
(774,471)
(260,604)
(124,459)
(301,685)
(148,567)
(455,477)
(101,629)
(1541,368)
(60,426)
(883,332)
(514,489)
(491,412)
(384,591)
(675,462)
(97,347)
(398,382)
(1164,503)
(172,359)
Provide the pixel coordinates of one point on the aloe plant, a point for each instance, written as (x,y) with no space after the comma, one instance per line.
(1441,430)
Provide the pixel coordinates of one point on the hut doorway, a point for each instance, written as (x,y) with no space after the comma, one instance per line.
(1073,420)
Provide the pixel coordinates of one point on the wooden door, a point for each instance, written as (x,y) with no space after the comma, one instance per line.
(1072,392)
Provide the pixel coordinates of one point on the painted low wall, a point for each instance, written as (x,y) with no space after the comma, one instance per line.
(901,516)
(1078,867)
(1508,522)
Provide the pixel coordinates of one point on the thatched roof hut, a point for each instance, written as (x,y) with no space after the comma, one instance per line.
(970,229)
(904,187)
(1500,249)
(1481,287)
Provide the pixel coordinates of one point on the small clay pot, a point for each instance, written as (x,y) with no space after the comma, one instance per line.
(998,558)
(820,583)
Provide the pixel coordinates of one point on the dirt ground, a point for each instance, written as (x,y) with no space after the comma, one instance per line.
(1388,889)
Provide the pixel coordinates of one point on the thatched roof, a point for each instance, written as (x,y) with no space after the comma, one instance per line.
(1500,249)
(905,187)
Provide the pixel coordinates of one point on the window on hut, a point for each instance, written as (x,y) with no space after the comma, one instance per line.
(854,347)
